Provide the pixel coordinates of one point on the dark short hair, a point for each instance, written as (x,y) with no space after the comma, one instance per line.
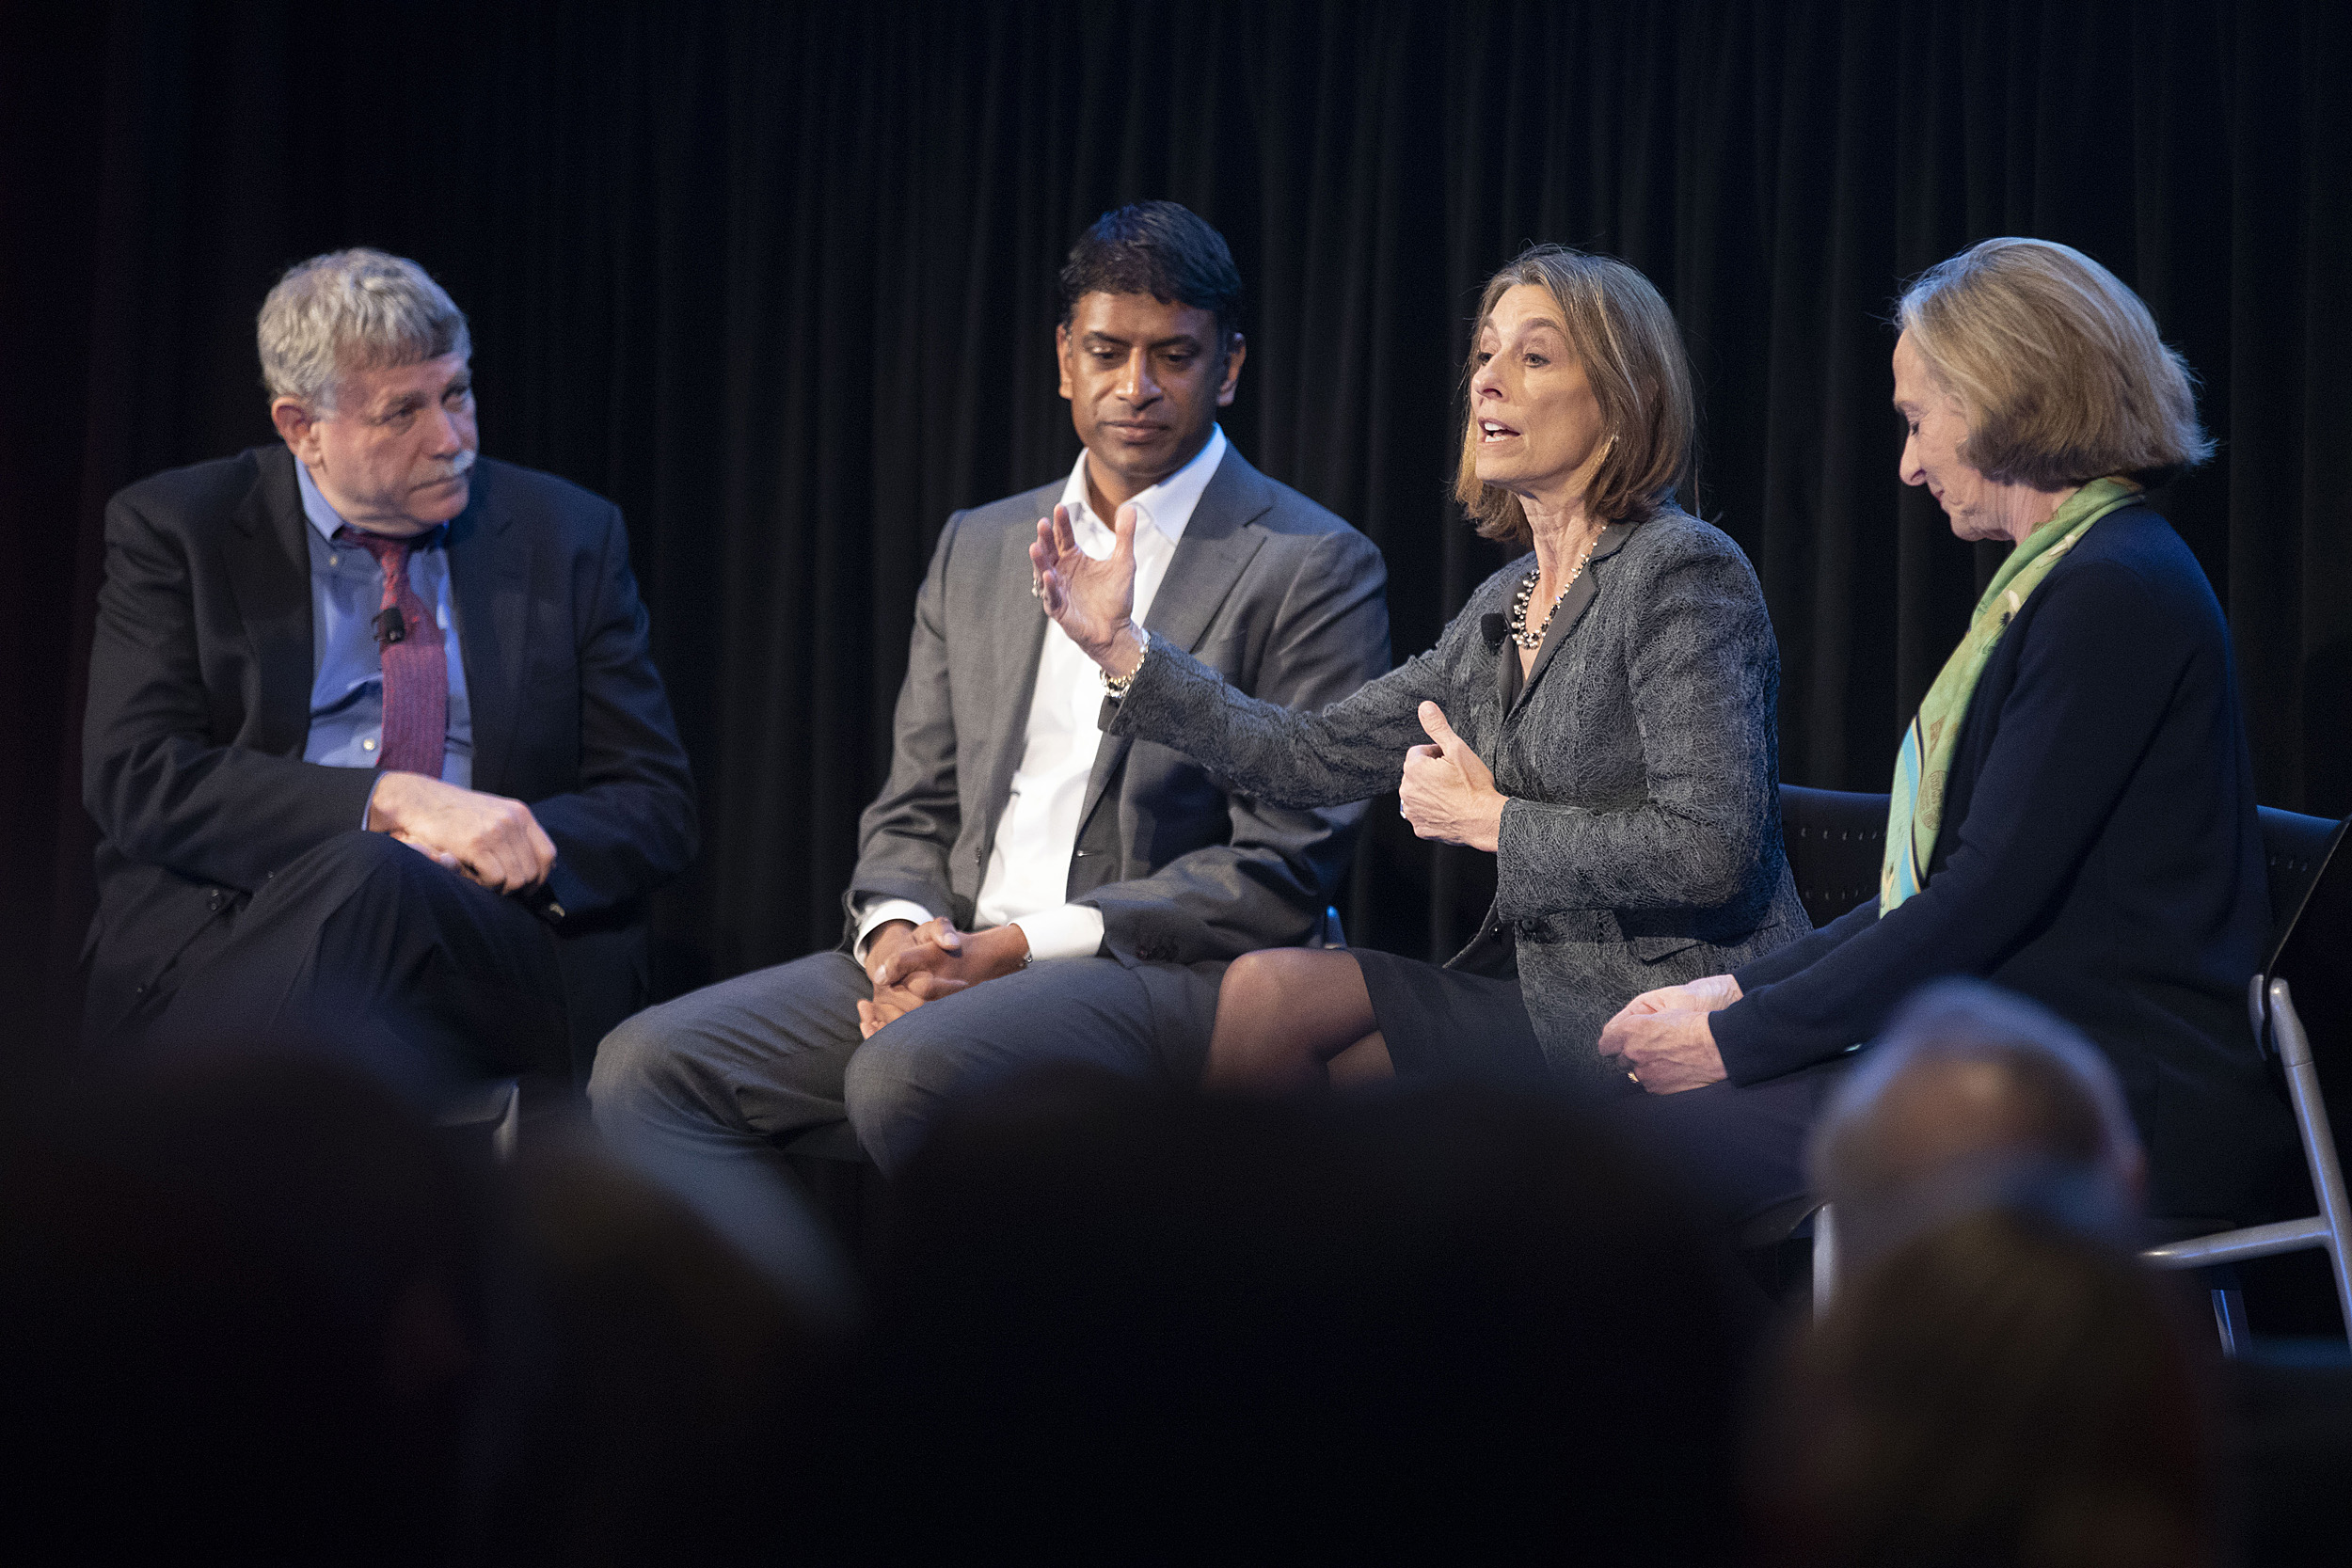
(1159,249)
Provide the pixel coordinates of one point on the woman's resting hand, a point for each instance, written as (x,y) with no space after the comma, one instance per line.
(1447,793)
(1093,601)
(1663,1039)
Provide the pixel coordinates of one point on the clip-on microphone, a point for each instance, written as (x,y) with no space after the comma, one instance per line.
(1493,627)
(392,626)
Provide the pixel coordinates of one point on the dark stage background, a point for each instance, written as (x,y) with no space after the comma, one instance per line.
(779,280)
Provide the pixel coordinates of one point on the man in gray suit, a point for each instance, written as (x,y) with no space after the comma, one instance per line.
(1028,890)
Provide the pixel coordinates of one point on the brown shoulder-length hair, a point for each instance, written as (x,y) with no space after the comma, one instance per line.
(1632,352)
(2057,365)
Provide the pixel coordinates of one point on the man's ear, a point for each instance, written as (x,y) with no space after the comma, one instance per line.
(1061,357)
(1233,356)
(297,427)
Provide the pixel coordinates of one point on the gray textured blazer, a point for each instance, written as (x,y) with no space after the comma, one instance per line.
(1268,591)
(1640,846)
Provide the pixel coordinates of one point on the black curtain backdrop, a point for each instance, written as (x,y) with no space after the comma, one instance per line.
(780,281)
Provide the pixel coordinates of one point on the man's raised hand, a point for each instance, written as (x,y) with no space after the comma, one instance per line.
(1093,601)
(488,838)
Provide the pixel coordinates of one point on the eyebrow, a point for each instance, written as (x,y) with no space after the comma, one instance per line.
(1181,340)
(1536,323)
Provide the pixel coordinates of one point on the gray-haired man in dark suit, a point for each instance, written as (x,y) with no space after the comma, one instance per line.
(1028,890)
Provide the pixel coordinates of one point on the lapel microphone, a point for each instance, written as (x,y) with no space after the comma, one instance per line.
(1493,627)
(392,626)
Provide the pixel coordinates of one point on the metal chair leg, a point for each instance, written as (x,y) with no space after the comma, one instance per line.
(2319,1145)
(1824,1258)
(2229,1319)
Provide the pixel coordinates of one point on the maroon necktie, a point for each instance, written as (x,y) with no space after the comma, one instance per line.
(415,672)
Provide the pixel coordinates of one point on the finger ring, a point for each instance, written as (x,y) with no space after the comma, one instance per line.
(1635,1076)
(1037,586)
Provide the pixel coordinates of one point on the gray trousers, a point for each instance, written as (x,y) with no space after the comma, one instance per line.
(699,1092)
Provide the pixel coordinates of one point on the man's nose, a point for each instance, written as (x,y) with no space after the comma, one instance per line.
(448,432)
(1136,386)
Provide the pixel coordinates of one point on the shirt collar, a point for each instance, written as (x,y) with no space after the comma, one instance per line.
(1167,505)
(327,519)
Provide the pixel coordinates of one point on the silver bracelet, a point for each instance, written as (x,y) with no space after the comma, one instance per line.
(1117,685)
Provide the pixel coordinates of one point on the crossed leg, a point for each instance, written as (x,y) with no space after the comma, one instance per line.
(1292,1019)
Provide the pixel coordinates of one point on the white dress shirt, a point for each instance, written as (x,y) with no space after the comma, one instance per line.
(1028,869)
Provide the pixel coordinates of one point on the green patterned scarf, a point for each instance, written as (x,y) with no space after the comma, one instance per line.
(1916,810)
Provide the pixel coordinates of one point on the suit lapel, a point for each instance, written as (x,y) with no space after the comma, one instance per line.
(1016,642)
(1218,545)
(490,585)
(1573,605)
(269,573)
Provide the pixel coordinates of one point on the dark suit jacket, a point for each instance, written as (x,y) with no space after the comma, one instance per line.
(1283,597)
(2100,853)
(200,689)
(1640,846)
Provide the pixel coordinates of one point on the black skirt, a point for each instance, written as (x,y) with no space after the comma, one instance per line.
(1450,1025)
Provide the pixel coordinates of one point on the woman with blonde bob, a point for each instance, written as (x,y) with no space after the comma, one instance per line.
(1599,718)
(2072,811)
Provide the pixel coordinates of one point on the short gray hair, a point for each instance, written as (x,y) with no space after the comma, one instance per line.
(2044,1095)
(353,309)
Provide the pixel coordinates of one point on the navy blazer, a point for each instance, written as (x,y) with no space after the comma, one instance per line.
(2101,854)
(200,703)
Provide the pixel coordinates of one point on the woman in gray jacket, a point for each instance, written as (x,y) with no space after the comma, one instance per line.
(1600,717)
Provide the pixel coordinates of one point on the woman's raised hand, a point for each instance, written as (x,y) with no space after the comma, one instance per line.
(1093,601)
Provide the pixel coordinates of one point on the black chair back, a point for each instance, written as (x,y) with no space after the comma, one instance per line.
(1836,843)
(2312,948)
(2295,846)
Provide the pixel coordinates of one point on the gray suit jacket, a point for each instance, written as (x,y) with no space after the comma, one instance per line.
(1642,846)
(1269,589)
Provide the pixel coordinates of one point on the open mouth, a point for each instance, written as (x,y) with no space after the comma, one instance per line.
(1491,429)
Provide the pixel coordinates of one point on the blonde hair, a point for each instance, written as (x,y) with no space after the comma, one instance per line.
(2057,365)
(1632,352)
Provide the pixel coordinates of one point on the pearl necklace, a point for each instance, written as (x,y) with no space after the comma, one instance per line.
(1519,634)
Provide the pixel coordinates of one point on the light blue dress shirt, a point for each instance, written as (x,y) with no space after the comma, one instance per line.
(347,667)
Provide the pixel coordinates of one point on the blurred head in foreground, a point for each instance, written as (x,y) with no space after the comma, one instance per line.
(659,1385)
(1133,1328)
(1998,1390)
(241,1316)
(1971,1089)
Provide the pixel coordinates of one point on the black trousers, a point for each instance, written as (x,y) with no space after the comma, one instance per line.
(364,947)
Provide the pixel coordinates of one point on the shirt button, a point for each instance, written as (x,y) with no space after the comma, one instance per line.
(367,745)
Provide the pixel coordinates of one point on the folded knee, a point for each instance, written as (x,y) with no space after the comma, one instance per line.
(359,863)
(636,1063)
(893,1090)
(1255,981)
